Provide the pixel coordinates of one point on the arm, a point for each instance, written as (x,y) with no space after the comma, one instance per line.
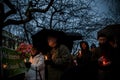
(38,63)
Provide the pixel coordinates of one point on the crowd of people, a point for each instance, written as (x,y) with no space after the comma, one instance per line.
(91,62)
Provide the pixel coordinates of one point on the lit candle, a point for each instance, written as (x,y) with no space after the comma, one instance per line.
(4,66)
(46,58)
(80,53)
(104,62)
(25,60)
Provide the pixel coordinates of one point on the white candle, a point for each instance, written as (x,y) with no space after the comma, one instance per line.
(46,58)
(25,60)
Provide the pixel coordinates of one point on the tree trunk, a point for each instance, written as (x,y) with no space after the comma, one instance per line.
(1,21)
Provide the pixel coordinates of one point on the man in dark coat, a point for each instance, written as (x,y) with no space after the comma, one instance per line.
(103,58)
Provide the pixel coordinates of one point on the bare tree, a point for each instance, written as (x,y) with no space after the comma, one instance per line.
(13,9)
(66,15)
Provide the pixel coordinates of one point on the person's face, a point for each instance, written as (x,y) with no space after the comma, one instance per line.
(52,42)
(102,40)
(84,45)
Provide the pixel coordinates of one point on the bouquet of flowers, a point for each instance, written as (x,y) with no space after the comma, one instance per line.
(25,50)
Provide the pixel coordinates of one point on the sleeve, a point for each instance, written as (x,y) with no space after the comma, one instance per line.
(64,55)
(39,63)
(96,54)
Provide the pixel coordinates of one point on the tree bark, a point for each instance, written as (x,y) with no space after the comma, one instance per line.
(1,21)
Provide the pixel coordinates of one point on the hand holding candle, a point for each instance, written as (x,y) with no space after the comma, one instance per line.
(79,54)
(104,61)
(4,66)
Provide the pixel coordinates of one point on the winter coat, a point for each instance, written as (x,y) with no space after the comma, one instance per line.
(61,58)
(37,64)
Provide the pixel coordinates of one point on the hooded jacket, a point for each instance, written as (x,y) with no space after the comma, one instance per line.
(37,68)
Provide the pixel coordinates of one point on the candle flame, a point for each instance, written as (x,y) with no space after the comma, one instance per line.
(25,60)
(4,66)
(46,58)
(104,62)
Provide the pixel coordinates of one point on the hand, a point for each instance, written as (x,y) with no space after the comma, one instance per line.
(28,64)
(103,61)
(79,54)
(75,62)
(106,63)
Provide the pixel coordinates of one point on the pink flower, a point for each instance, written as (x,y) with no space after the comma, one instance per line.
(25,49)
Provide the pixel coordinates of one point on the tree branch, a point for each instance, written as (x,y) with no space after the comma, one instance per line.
(28,14)
(12,11)
(43,10)
(15,22)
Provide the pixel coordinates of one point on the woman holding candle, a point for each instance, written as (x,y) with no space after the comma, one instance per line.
(83,55)
(36,67)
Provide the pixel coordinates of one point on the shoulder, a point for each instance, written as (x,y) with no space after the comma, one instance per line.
(97,49)
(63,46)
(39,55)
(64,49)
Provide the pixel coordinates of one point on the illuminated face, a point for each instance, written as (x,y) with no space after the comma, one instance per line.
(52,42)
(84,46)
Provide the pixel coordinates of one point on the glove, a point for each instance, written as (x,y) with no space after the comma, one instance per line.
(28,64)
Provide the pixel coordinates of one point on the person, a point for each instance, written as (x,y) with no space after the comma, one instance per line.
(92,47)
(83,69)
(115,57)
(102,58)
(83,55)
(59,58)
(36,66)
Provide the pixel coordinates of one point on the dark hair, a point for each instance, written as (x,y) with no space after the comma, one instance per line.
(52,33)
(93,45)
(101,35)
(111,39)
(87,46)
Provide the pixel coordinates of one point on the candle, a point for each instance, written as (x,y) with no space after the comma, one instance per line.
(79,54)
(104,62)
(46,58)
(25,60)
(4,66)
